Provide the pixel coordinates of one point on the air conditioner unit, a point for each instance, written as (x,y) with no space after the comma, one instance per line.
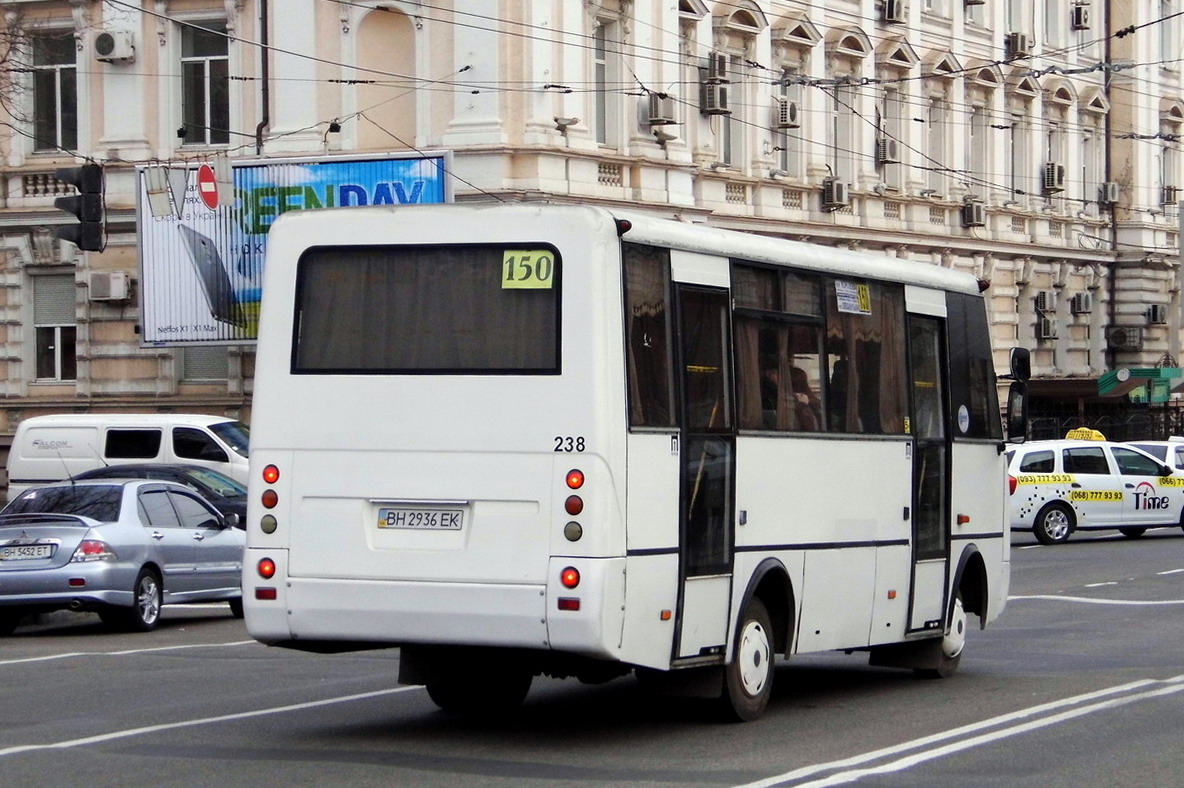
(1081,303)
(887,151)
(1124,338)
(660,110)
(717,67)
(1054,178)
(109,285)
(713,99)
(1170,196)
(974,214)
(785,114)
(835,193)
(114,46)
(1046,301)
(1046,328)
(1018,45)
(1079,17)
(1157,314)
(1109,192)
(894,11)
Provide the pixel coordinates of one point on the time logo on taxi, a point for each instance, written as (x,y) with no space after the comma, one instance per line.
(1147,497)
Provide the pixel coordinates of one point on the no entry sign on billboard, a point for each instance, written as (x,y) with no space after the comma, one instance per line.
(201,260)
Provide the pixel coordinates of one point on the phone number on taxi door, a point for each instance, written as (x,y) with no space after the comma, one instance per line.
(1095,495)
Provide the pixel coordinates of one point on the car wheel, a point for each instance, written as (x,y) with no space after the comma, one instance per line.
(1132,533)
(748,678)
(144,613)
(236,607)
(952,645)
(481,692)
(1054,523)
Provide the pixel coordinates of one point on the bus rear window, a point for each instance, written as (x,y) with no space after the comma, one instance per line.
(428,310)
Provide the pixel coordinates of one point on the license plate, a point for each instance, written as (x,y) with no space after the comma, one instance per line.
(421,519)
(21,552)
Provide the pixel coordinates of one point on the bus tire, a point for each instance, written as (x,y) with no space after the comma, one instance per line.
(1054,523)
(952,645)
(1132,532)
(480,693)
(748,678)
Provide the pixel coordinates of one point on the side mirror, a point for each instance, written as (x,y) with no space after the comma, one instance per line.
(1021,364)
(1017,412)
(232,521)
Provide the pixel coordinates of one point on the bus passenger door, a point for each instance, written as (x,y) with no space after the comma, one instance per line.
(931,483)
(707,496)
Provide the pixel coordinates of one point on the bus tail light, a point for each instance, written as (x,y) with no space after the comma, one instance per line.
(270,498)
(1012,483)
(569,603)
(575,478)
(271,474)
(266,568)
(268,594)
(573,505)
(570,577)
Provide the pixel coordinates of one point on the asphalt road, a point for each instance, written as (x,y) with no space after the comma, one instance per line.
(1080,683)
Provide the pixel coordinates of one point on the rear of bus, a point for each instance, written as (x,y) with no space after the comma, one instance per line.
(437,431)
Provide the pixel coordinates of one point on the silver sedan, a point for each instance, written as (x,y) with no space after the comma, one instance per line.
(119,548)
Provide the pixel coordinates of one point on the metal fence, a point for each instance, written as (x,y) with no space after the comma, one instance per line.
(1121,422)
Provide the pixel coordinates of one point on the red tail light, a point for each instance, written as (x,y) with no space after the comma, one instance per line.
(93,550)
(271,474)
(569,603)
(270,498)
(573,505)
(266,568)
(1012,482)
(570,577)
(575,479)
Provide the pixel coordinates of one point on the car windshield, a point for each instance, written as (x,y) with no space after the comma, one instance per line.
(235,434)
(223,485)
(99,502)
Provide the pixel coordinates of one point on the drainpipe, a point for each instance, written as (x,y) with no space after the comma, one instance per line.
(265,80)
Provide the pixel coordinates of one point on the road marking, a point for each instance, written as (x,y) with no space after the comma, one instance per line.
(1171,572)
(70,654)
(1099,585)
(1085,704)
(168,726)
(1088,601)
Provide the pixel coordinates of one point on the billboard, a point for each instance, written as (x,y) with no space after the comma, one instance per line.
(203,231)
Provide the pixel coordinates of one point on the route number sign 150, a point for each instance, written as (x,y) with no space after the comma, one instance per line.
(528,269)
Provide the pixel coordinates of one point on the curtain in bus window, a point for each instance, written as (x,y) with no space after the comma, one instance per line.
(647,334)
(416,309)
(865,345)
(777,368)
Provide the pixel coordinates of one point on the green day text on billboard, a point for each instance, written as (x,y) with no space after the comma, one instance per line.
(203,236)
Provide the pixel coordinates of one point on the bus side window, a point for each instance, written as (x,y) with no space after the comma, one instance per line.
(868,392)
(647,332)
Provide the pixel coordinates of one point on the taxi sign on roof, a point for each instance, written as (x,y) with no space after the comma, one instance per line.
(1084,434)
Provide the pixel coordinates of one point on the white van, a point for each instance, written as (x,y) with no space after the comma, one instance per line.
(51,448)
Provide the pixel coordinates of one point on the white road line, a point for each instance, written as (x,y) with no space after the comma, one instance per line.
(1172,685)
(69,654)
(1171,572)
(1099,585)
(1088,601)
(244,715)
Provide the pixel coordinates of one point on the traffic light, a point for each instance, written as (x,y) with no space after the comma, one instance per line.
(89,234)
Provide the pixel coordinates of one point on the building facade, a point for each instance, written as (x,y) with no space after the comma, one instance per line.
(1034,143)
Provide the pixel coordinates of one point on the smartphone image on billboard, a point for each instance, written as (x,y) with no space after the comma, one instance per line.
(211,272)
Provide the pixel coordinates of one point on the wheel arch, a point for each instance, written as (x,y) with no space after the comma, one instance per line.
(970,579)
(770,583)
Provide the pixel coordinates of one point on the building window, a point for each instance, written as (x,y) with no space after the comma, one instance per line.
(606,59)
(937,126)
(842,132)
(978,148)
(790,140)
(1019,178)
(55,93)
(54,321)
(205,84)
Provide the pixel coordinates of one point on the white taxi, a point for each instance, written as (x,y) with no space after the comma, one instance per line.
(1061,486)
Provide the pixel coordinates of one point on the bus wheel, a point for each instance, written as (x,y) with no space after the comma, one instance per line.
(748,679)
(481,692)
(1054,523)
(1132,533)
(951,645)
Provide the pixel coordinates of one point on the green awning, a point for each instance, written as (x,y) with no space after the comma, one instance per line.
(1156,381)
